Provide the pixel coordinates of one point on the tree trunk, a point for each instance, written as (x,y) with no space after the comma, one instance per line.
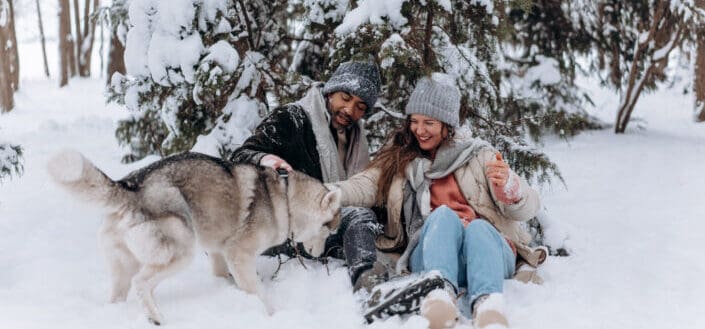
(700,80)
(78,39)
(7,101)
(634,87)
(116,55)
(43,40)
(428,51)
(699,76)
(65,44)
(86,47)
(12,49)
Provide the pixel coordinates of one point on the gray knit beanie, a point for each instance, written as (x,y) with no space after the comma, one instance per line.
(435,100)
(357,78)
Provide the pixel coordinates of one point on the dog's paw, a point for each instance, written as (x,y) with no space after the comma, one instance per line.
(155,322)
(155,319)
(270,310)
(117,299)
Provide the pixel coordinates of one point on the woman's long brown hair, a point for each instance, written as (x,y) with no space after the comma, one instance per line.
(392,159)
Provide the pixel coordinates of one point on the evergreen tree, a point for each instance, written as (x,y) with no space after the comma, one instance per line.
(634,42)
(541,45)
(10,160)
(257,56)
(116,17)
(192,66)
(201,72)
(463,40)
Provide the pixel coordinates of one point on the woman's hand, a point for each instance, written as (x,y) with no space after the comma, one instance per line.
(504,183)
(498,171)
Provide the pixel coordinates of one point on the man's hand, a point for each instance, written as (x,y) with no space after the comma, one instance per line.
(274,162)
(498,171)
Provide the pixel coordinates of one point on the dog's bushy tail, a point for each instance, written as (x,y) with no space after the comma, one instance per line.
(73,171)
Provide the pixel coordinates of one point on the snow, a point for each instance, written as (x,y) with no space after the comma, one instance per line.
(4,12)
(211,7)
(161,40)
(66,166)
(319,10)
(175,16)
(665,50)
(512,188)
(492,302)
(224,55)
(392,44)
(141,15)
(374,12)
(441,295)
(223,27)
(632,216)
(546,72)
(244,117)
(167,52)
(632,211)
(250,76)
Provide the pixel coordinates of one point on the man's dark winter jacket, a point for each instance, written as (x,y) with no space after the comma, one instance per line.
(288,134)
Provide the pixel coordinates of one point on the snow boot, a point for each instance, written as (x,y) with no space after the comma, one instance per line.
(401,295)
(526,273)
(440,307)
(371,277)
(488,311)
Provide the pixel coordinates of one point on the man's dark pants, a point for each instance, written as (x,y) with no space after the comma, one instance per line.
(354,241)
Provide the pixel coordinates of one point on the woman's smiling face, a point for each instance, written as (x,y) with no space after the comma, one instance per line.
(428,131)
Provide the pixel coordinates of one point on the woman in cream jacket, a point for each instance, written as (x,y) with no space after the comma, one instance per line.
(453,206)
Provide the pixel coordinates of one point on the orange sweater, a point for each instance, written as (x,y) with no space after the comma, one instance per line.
(445,191)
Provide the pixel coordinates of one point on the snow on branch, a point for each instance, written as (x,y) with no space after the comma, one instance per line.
(10,160)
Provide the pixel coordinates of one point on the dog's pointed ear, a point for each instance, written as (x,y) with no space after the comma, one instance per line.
(331,199)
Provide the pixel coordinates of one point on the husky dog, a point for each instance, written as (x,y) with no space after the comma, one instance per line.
(235,212)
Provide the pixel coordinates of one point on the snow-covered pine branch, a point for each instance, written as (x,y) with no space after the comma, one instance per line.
(10,160)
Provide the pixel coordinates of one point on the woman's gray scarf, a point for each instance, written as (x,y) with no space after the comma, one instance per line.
(419,174)
(357,156)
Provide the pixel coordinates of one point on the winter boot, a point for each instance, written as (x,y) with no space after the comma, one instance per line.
(526,273)
(488,310)
(371,277)
(440,307)
(401,295)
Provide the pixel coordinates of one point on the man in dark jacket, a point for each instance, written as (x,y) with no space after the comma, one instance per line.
(321,136)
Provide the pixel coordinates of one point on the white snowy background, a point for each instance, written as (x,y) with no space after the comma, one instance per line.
(632,214)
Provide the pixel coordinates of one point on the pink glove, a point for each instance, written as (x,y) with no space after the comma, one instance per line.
(274,162)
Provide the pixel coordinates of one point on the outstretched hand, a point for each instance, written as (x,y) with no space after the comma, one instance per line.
(498,171)
(274,162)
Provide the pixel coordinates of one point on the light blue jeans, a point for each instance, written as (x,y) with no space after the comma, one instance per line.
(476,256)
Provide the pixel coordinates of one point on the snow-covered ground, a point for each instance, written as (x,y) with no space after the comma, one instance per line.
(633,213)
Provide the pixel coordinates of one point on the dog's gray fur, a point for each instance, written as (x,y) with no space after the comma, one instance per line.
(235,212)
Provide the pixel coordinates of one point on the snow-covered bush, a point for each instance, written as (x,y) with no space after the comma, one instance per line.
(465,41)
(189,63)
(201,73)
(634,42)
(10,160)
(541,48)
